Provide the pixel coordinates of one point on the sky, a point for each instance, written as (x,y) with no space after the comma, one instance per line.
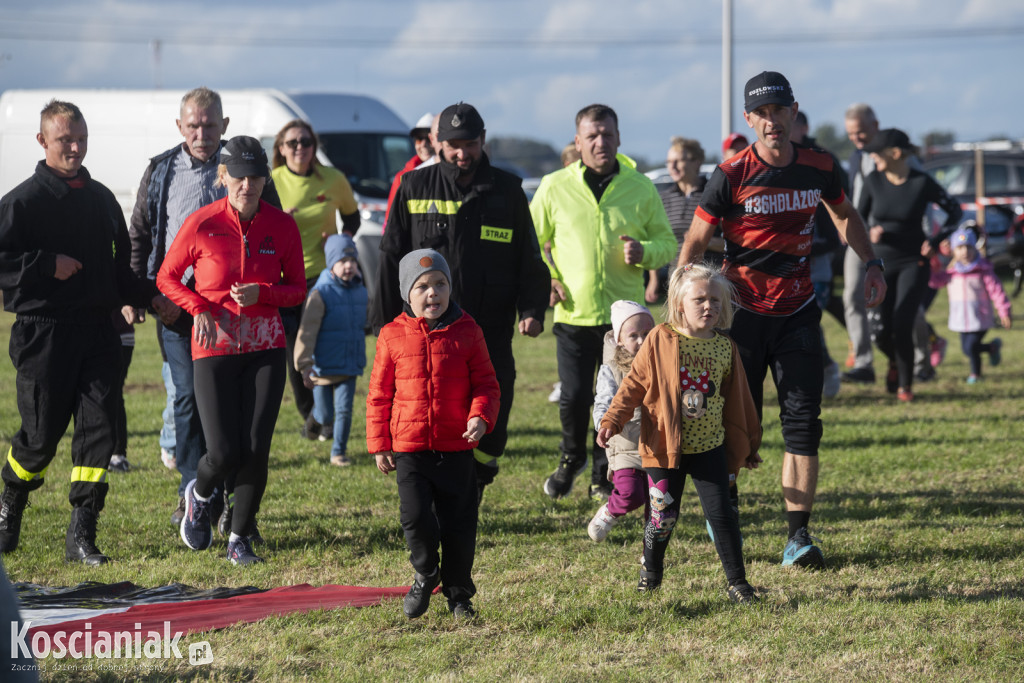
(530,65)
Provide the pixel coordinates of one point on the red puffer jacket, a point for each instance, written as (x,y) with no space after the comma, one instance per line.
(269,252)
(426,384)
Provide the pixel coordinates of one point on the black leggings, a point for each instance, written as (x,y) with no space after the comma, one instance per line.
(711,479)
(907,282)
(238,399)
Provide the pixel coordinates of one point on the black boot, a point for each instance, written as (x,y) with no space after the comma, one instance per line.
(12,504)
(80,544)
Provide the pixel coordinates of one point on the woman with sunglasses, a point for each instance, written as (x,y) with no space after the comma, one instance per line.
(313,194)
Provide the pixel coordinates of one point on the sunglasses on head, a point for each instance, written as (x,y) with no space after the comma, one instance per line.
(303,142)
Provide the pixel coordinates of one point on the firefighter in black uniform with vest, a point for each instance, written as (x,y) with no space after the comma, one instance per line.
(478,217)
(64,268)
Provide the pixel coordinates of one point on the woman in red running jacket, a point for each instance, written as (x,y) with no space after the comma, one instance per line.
(245,258)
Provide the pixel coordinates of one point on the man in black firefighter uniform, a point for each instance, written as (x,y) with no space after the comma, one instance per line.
(64,267)
(478,217)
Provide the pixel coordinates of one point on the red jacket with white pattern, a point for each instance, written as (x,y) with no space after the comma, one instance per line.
(222,252)
(427,384)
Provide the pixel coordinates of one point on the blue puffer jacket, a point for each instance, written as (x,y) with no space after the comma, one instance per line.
(341,344)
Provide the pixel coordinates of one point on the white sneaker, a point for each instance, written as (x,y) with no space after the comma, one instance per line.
(832,381)
(167,458)
(601,524)
(556,393)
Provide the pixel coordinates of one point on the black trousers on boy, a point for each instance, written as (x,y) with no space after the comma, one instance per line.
(438,507)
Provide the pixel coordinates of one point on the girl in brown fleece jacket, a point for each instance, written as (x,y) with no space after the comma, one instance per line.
(697,418)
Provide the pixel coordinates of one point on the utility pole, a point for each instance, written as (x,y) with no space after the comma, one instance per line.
(726,68)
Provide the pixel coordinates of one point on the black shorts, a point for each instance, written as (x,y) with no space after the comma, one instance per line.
(790,346)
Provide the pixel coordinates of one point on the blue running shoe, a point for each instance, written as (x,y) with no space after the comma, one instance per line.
(995,354)
(240,552)
(195,527)
(801,552)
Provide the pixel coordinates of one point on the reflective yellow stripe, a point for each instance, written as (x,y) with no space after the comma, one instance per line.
(492,234)
(93,475)
(22,473)
(448,208)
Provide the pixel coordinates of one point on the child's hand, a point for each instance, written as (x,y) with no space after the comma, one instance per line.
(475,428)
(307,378)
(385,462)
(753,461)
(1006,321)
(603,434)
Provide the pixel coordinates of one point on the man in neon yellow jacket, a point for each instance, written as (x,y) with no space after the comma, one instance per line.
(606,225)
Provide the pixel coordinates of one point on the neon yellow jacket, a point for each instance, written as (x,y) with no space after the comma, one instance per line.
(584,236)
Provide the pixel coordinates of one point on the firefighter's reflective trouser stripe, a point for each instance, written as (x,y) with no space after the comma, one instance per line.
(65,371)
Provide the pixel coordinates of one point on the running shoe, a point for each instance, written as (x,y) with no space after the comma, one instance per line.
(195,525)
(801,552)
(118,463)
(559,484)
(240,552)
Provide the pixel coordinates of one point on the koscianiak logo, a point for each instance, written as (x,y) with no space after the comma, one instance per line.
(88,644)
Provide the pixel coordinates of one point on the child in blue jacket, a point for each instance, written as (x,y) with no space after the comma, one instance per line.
(330,350)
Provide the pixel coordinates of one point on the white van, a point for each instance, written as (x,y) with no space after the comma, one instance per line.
(359,135)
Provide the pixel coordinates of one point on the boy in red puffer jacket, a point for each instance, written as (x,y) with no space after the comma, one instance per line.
(432,395)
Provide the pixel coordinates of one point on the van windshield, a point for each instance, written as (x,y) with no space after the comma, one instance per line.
(369,160)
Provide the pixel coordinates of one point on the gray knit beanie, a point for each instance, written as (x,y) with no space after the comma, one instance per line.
(415,263)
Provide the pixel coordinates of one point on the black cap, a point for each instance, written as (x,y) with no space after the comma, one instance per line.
(888,137)
(768,87)
(460,122)
(244,156)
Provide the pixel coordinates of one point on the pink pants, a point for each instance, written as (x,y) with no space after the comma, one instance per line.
(630,492)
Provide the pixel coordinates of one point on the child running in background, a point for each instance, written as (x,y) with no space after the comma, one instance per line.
(432,395)
(631,323)
(330,349)
(974,290)
(697,417)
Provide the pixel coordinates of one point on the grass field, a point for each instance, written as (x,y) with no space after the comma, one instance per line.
(920,512)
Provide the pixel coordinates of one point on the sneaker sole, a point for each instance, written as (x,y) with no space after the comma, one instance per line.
(188,513)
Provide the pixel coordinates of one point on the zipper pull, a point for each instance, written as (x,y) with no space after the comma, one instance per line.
(245,239)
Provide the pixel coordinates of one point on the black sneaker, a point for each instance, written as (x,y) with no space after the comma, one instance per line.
(859,376)
(240,552)
(195,525)
(742,594)
(417,600)
(649,581)
(461,609)
(559,484)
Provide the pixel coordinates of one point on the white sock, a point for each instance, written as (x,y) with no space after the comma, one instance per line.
(233,537)
(207,499)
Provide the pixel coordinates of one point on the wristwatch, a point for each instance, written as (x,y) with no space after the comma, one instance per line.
(875,262)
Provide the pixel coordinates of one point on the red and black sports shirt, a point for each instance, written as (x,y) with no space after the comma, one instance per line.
(767,218)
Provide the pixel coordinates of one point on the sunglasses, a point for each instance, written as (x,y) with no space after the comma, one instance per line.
(303,142)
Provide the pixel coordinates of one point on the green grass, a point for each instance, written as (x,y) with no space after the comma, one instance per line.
(920,511)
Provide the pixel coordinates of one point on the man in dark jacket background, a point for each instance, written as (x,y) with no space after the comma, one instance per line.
(478,218)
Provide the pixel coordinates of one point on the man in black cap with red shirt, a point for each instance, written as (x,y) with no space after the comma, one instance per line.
(764,199)
(478,218)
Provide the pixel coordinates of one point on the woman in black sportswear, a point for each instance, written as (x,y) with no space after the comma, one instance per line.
(893,202)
